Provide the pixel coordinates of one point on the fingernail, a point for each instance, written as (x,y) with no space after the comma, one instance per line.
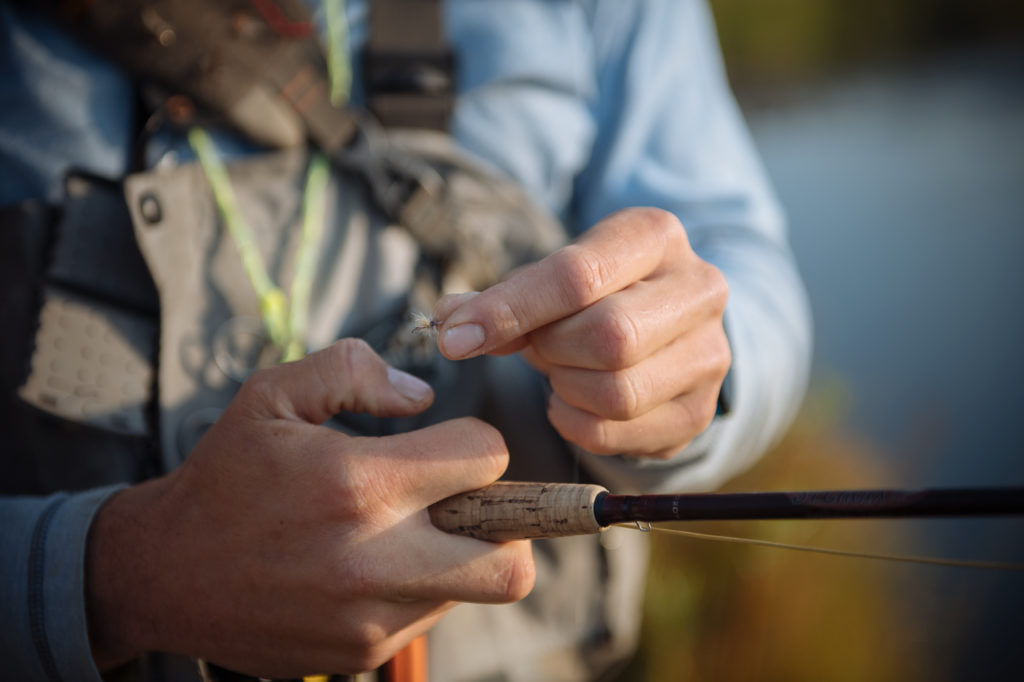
(462,340)
(413,388)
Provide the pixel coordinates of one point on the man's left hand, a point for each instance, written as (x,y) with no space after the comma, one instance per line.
(627,324)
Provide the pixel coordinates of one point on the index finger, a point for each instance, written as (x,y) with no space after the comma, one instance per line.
(416,469)
(621,249)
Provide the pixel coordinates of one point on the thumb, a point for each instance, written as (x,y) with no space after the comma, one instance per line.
(347,376)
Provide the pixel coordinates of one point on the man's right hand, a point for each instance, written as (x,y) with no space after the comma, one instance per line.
(282,547)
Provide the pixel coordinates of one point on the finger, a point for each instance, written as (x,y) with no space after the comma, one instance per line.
(448,303)
(616,332)
(659,434)
(346,376)
(411,471)
(536,361)
(630,325)
(683,366)
(361,636)
(619,250)
(497,574)
(417,625)
(440,566)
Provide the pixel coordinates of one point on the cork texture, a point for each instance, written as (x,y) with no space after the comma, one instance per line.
(516,511)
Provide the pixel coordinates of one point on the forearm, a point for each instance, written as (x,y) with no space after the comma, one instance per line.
(769,324)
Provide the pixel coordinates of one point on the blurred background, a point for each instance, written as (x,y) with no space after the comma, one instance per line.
(894,133)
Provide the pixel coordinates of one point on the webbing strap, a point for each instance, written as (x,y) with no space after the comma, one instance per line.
(408,65)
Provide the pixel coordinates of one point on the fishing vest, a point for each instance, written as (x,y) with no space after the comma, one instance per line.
(131,322)
(137,321)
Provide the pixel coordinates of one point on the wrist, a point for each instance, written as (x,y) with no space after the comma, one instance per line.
(119,590)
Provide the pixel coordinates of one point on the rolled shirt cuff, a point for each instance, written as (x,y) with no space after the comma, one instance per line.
(42,585)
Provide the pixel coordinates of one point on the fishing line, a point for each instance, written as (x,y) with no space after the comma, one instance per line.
(901,558)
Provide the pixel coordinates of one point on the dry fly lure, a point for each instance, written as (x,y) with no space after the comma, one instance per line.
(424,324)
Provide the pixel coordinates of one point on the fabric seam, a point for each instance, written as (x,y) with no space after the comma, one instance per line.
(36,600)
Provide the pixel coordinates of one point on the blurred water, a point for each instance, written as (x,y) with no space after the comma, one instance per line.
(905,191)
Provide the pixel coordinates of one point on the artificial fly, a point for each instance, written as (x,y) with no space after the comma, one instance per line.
(424,324)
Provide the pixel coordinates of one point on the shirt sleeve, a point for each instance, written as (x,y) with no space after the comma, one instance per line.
(42,587)
(669,134)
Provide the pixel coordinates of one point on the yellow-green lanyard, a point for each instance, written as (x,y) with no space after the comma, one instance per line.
(339,71)
(285,317)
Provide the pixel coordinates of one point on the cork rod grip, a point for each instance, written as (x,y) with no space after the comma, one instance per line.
(516,511)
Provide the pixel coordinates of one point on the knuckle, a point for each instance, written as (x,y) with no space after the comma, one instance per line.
(699,413)
(658,219)
(583,275)
(352,346)
(358,499)
(619,340)
(509,319)
(368,643)
(350,359)
(715,354)
(488,445)
(359,494)
(345,357)
(706,413)
(596,438)
(716,286)
(623,396)
(258,386)
(586,430)
(518,577)
(659,225)
(367,638)
(261,393)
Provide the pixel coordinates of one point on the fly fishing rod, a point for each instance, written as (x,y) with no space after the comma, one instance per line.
(513,510)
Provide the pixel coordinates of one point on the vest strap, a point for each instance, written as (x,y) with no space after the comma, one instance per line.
(408,65)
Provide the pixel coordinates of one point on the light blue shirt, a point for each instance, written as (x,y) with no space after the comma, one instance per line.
(592,105)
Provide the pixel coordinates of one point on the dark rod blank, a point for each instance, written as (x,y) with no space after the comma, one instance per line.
(822,504)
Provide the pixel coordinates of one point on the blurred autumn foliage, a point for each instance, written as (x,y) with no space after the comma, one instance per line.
(769,43)
(717,611)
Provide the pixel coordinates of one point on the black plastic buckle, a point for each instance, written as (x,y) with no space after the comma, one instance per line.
(410,89)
